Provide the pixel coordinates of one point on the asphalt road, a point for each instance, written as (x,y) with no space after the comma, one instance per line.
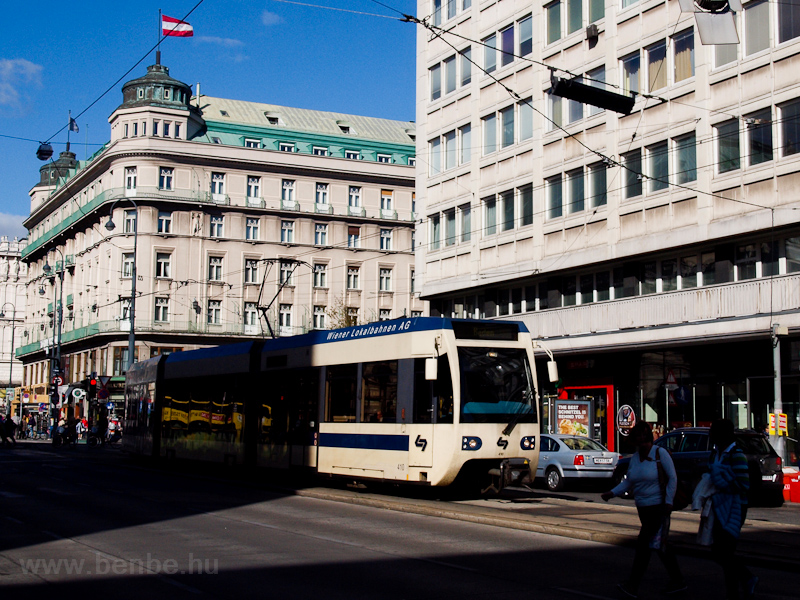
(124,530)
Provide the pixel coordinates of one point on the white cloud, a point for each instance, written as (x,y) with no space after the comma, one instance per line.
(11,226)
(14,73)
(224,42)
(270,18)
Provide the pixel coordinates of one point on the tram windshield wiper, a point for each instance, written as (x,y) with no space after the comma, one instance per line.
(513,423)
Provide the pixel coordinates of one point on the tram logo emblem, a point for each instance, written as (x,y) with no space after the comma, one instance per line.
(421,442)
(502,443)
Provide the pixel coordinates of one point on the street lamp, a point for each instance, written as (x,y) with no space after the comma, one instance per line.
(110,226)
(56,359)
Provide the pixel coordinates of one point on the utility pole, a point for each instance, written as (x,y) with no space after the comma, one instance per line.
(778,441)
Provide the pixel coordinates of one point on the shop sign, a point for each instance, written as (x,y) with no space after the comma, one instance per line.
(782,424)
(626,419)
(573,417)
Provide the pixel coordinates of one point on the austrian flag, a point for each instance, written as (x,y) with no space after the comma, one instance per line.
(176,27)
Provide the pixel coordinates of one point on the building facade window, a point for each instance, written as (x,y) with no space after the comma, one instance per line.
(320,234)
(658,166)
(450,227)
(686,155)
(319,317)
(127,264)
(287,232)
(286,147)
(465,212)
(164,221)
(353,278)
(287,273)
(129,225)
(287,190)
(354,197)
(251,270)
(252,143)
(790,126)
(161,310)
(319,151)
(490,215)
(385,280)
(353,237)
(553,187)
(386,239)
(253,187)
(322,194)
(217,185)
(436,233)
(320,275)
(165,178)
(250,316)
(251,228)
(759,136)
(683,55)
(215,268)
(728,146)
(163,264)
(632,173)
(386,199)
(217,226)
(214,312)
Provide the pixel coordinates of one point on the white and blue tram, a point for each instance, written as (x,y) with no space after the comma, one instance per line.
(410,400)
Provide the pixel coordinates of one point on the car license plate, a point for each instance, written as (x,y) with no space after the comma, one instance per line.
(602,461)
(768,478)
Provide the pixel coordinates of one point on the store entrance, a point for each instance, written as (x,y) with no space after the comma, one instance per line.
(582,410)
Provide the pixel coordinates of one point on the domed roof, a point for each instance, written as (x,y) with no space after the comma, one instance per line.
(156,88)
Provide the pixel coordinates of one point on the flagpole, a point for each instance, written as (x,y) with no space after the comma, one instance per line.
(158,45)
(69,126)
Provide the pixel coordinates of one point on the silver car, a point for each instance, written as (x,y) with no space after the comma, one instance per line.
(567,457)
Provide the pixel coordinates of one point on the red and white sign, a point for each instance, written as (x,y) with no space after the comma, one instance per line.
(175,27)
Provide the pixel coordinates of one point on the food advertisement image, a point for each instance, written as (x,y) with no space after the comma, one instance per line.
(573,418)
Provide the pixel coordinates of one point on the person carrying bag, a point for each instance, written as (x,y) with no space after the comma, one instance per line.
(730,477)
(652,480)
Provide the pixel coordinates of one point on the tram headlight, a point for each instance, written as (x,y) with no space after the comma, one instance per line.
(528,442)
(471,443)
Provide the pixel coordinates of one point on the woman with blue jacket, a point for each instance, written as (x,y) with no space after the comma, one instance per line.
(652,481)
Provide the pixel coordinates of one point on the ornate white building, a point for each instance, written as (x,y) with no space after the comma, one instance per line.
(237,218)
(13,279)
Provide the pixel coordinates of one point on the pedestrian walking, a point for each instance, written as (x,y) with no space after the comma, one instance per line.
(652,481)
(8,431)
(731,478)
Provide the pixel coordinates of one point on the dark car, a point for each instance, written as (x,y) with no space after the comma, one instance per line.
(690,451)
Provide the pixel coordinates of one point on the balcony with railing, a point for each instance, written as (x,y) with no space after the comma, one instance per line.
(739,305)
(43,338)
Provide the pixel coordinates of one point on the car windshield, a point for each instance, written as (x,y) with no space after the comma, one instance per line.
(754,444)
(579,443)
(496,386)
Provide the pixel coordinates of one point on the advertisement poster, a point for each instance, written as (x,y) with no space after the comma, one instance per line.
(626,419)
(573,417)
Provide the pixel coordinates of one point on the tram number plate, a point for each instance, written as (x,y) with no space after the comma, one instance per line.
(602,461)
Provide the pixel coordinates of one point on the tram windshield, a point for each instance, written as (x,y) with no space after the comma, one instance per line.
(496,386)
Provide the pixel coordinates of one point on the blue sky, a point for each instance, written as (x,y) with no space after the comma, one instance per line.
(56,57)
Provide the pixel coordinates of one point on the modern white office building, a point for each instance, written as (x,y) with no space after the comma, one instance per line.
(654,251)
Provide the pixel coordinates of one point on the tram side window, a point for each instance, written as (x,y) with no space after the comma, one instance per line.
(428,394)
(340,394)
(379,392)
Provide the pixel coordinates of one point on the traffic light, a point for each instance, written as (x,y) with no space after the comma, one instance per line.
(91,389)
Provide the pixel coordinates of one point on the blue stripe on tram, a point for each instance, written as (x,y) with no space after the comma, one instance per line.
(364,441)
